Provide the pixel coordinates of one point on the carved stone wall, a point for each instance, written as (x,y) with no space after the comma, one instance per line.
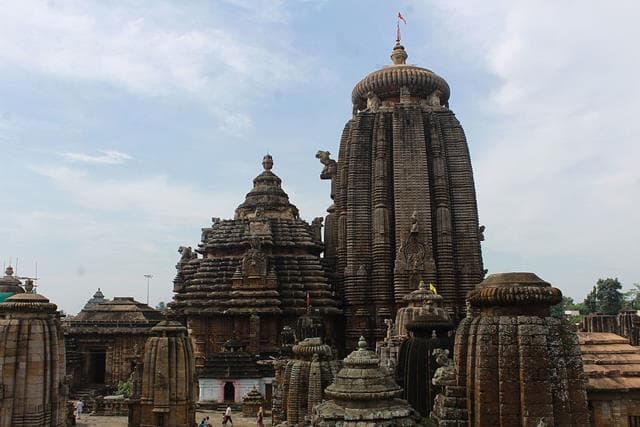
(33,387)
(515,364)
(169,388)
(405,203)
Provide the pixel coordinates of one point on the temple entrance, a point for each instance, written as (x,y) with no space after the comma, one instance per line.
(97,363)
(268,395)
(229,392)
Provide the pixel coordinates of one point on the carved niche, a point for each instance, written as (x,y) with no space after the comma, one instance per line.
(254,262)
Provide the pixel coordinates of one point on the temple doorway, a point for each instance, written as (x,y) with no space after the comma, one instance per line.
(229,392)
(268,395)
(97,363)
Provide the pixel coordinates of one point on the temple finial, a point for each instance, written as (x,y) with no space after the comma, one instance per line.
(267,162)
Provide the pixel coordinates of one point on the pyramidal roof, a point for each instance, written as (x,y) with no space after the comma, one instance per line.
(267,198)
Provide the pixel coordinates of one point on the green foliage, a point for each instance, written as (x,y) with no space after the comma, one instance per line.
(559,309)
(605,297)
(609,296)
(162,307)
(124,389)
(632,297)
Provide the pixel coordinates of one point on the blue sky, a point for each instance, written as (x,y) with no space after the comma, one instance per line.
(125,126)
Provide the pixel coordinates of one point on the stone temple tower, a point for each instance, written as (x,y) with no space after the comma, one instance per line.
(404,199)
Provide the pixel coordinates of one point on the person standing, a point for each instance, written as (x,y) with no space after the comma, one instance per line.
(260,418)
(79,408)
(227,416)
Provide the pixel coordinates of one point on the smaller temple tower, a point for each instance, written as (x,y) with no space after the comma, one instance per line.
(169,388)
(33,389)
(363,394)
(514,364)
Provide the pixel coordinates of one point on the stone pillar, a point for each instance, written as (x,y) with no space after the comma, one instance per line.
(33,389)
(517,365)
(169,389)
(254,334)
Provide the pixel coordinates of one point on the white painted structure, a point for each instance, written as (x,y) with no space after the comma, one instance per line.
(212,389)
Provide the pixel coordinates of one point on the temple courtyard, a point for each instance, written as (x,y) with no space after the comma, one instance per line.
(215,417)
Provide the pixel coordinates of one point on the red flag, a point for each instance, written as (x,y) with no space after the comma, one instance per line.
(400,17)
(308,299)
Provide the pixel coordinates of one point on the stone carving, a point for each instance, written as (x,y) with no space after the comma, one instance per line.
(316,225)
(390,328)
(186,253)
(434,99)
(481,233)
(254,262)
(373,102)
(446,373)
(330,165)
(405,95)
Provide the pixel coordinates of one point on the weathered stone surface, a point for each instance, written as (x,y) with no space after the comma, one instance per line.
(626,324)
(405,205)
(363,394)
(33,386)
(169,388)
(252,402)
(117,328)
(517,365)
(256,273)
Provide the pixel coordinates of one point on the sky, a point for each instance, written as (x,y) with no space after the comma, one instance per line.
(125,126)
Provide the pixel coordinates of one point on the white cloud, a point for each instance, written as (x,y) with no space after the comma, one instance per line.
(110,157)
(154,198)
(149,53)
(558,174)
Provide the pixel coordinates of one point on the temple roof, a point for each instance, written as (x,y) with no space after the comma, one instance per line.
(387,82)
(610,362)
(264,261)
(97,298)
(27,302)
(267,198)
(120,315)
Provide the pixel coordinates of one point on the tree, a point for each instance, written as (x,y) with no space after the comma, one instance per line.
(608,295)
(162,307)
(559,309)
(590,302)
(632,297)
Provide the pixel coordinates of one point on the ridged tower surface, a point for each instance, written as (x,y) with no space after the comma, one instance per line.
(33,389)
(515,364)
(256,273)
(169,390)
(404,199)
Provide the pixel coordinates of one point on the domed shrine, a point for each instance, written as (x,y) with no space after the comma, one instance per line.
(404,199)
(257,273)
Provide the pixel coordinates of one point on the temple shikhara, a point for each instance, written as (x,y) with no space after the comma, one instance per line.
(378,314)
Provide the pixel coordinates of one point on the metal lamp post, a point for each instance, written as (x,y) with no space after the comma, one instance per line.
(148,276)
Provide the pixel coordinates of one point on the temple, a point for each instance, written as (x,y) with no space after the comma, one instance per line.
(404,199)
(256,274)
(103,341)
